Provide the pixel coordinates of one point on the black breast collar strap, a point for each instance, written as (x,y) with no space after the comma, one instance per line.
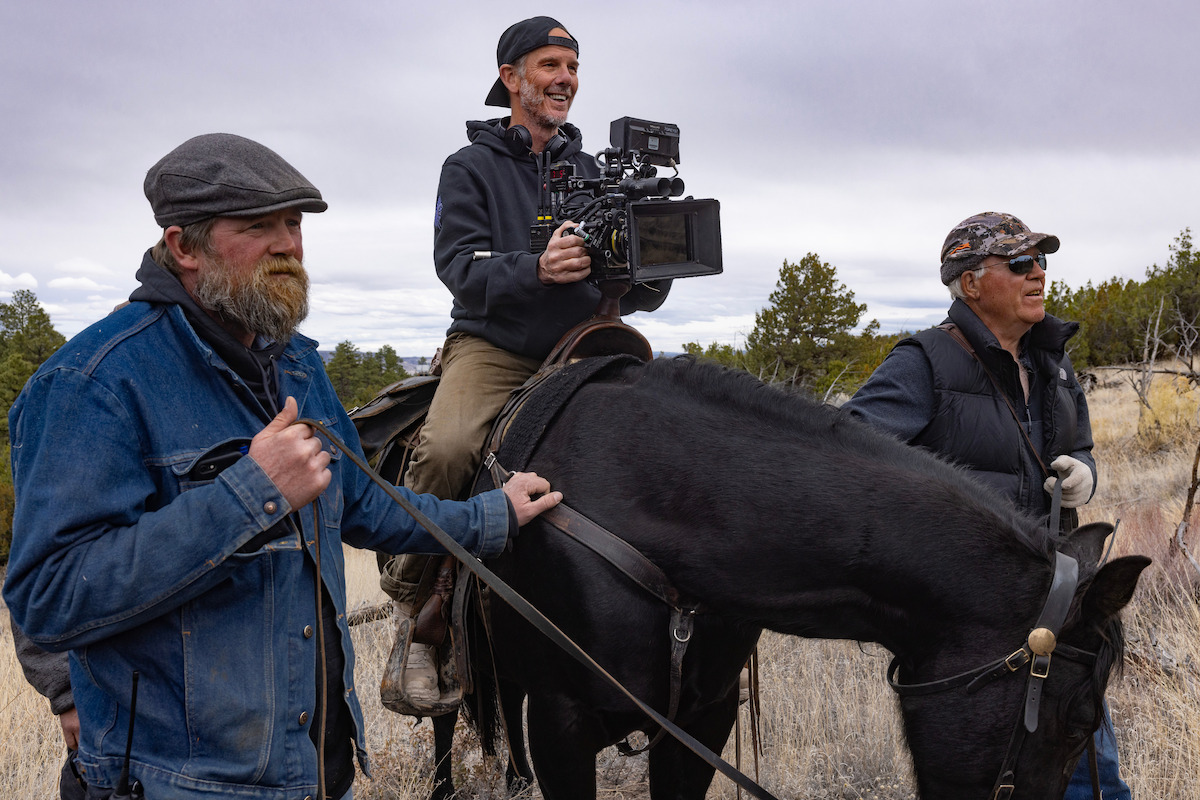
(642,571)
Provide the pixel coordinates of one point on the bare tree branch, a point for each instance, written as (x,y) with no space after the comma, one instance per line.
(369,614)
(1144,376)
(1180,542)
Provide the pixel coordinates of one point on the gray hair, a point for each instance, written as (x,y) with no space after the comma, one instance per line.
(955,286)
(195,236)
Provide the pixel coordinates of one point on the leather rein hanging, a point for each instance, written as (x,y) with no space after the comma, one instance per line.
(537,619)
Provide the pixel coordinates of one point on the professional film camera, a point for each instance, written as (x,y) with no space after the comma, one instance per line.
(632,229)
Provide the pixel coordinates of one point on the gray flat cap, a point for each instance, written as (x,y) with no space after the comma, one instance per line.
(223,175)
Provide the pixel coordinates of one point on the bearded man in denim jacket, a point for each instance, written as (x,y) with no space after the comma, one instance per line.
(172,519)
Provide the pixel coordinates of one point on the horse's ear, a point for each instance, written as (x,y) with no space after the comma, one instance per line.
(1086,543)
(1113,587)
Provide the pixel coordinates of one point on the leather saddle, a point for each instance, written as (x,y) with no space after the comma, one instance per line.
(389,429)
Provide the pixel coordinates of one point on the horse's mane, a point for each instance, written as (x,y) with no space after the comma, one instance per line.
(801,415)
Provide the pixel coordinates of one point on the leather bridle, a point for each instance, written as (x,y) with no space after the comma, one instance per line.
(1041,644)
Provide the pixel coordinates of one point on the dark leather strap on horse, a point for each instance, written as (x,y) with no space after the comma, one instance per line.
(539,620)
(616,551)
(681,633)
(1094,769)
(957,336)
(635,566)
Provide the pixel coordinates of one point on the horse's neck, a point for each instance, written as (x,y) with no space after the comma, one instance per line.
(874,561)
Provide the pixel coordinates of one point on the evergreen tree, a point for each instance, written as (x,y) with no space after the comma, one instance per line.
(26,340)
(357,376)
(25,329)
(805,337)
(1116,315)
(1179,282)
(345,370)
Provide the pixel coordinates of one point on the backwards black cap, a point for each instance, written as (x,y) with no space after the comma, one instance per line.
(527,35)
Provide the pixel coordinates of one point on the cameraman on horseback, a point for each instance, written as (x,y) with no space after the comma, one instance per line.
(993,389)
(512,302)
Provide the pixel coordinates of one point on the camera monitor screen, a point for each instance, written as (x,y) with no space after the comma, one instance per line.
(674,239)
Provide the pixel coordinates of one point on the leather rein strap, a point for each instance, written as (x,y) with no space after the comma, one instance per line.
(539,620)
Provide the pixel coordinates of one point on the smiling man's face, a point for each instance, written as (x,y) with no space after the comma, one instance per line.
(1007,301)
(549,81)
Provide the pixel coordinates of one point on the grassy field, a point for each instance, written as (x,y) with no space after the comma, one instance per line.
(830,727)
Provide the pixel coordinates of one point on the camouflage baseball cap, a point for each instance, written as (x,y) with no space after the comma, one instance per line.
(989,234)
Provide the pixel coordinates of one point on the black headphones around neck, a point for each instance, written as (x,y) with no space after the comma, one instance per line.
(520,142)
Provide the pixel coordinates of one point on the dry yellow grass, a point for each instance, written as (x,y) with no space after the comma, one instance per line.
(830,727)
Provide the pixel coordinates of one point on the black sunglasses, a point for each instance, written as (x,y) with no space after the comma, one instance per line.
(1023,265)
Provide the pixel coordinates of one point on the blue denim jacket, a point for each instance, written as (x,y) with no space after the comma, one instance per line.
(127,557)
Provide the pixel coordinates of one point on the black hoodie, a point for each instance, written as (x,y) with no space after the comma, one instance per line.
(487,201)
(255,365)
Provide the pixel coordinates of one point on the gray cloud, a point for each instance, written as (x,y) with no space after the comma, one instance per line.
(859,130)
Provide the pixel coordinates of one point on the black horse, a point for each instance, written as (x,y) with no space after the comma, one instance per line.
(771,511)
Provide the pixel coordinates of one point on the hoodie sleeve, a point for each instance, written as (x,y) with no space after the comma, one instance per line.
(464,225)
(48,673)
(898,397)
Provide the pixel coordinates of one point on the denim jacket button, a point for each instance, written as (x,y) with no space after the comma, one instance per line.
(270,507)
(308,631)
(303,717)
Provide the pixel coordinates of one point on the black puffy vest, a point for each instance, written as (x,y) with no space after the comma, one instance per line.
(971,424)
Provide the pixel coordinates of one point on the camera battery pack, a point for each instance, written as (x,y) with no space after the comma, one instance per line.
(540,233)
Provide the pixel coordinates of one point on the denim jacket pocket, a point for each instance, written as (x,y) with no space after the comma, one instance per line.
(204,468)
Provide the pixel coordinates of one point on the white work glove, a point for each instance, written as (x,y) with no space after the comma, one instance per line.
(1077,481)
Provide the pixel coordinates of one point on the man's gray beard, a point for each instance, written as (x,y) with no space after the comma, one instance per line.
(260,303)
(529,104)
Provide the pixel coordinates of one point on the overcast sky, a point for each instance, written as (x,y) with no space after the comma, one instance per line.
(858,130)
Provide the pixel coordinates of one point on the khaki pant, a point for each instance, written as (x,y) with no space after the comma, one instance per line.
(477,380)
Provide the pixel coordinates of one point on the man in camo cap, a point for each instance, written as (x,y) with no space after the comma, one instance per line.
(986,234)
(945,389)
